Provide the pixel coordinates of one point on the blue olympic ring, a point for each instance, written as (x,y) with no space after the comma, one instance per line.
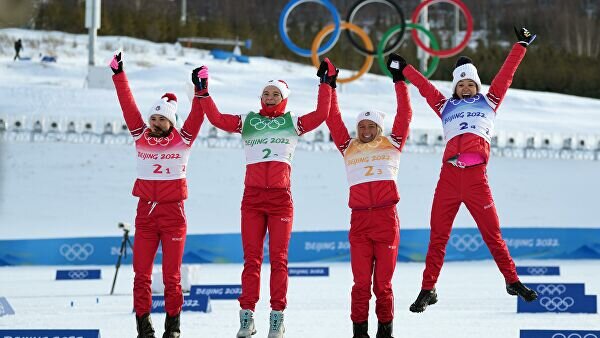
(302,51)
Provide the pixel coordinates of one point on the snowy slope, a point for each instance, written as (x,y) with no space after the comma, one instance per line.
(61,189)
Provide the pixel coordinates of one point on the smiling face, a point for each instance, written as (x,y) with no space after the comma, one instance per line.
(271,96)
(160,126)
(367,131)
(466,88)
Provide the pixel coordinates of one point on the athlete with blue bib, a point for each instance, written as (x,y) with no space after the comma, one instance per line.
(468,122)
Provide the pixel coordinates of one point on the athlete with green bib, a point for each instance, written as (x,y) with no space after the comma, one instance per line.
(270,138)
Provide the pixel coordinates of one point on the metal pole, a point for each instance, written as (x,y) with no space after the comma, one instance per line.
(422,55)
(456,25)
(92,34)
(183,12)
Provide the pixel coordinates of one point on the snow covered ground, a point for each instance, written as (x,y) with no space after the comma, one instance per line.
(472,303)
(50,189)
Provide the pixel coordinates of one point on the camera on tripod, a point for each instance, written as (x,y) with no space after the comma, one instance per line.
(124,226)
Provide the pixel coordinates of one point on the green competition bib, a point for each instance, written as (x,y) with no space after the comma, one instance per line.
(269,139)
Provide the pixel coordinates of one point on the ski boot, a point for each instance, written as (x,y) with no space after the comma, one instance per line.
(172,327)
(425,298)
(384,330)
(276,327)
(144,326)
(246,324)
(517,288)
(360,330)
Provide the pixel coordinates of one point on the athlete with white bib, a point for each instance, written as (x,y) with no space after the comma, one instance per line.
(468,122)
(162,157)
(270,137)
(372,161)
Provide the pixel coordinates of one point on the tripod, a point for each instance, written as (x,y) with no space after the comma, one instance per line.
(122,253)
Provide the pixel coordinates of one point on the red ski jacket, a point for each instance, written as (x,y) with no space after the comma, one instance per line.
(168,190)
(379,193)
(469,143)
(271,174)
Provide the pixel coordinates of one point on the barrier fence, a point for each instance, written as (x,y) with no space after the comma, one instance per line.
(311,246)
(535,145)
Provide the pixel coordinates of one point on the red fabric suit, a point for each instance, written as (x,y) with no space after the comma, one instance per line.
(161,188)
(466,185)
(267,202)
(374,224)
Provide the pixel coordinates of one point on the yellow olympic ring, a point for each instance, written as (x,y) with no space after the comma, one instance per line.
(363,36)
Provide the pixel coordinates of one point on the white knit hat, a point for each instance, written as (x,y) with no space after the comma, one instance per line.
(373,115)
(281,85)
(465,70)
(167,107)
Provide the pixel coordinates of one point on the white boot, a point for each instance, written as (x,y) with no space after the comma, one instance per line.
(276,327)
(246,324)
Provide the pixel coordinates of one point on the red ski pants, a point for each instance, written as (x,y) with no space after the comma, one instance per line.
(374,237)
(154,223)
(266,209)
(469,186)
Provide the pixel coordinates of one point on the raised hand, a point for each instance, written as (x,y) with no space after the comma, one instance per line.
(396,64)
(524,36)
(327,73)
(116,63)
(200,81)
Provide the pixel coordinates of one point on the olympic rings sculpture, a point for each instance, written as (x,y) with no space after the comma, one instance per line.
(368,49)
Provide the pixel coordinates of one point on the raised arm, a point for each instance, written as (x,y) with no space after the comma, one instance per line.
(434,98)
(191,126)
(327,74)
(133,117)
(503,79)
(396,65)
(228,122)
(336,126)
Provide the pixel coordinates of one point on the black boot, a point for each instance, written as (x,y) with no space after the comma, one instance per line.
(425,298)
(517,288)
(384,330)
(144,326)
(360,330)
(172,327)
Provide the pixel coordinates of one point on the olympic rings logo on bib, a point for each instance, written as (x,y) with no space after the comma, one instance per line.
(260,124)
(163,141)
(368,49)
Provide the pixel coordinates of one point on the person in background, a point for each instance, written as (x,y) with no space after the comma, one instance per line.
(18,49)
(162,158)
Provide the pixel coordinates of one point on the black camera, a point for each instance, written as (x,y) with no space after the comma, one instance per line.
(124,226)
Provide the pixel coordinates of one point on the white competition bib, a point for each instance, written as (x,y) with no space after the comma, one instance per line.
(269,139)
(473,115)
(377,160)
(161,158)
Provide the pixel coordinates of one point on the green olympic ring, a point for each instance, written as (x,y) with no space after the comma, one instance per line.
(435,61)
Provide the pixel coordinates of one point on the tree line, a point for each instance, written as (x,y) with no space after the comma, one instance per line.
(563,59)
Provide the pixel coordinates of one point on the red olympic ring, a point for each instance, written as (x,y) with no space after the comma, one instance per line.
(444,53)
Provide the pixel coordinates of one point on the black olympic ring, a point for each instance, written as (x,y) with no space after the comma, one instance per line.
(350,17)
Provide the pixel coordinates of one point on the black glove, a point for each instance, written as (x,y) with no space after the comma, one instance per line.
(116,64)
(200,81)
(327,73)
(524,36)
(396,64)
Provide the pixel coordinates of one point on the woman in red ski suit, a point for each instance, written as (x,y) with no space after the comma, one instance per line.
(468,122)
(162,156)
(372,162)
(269,137)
